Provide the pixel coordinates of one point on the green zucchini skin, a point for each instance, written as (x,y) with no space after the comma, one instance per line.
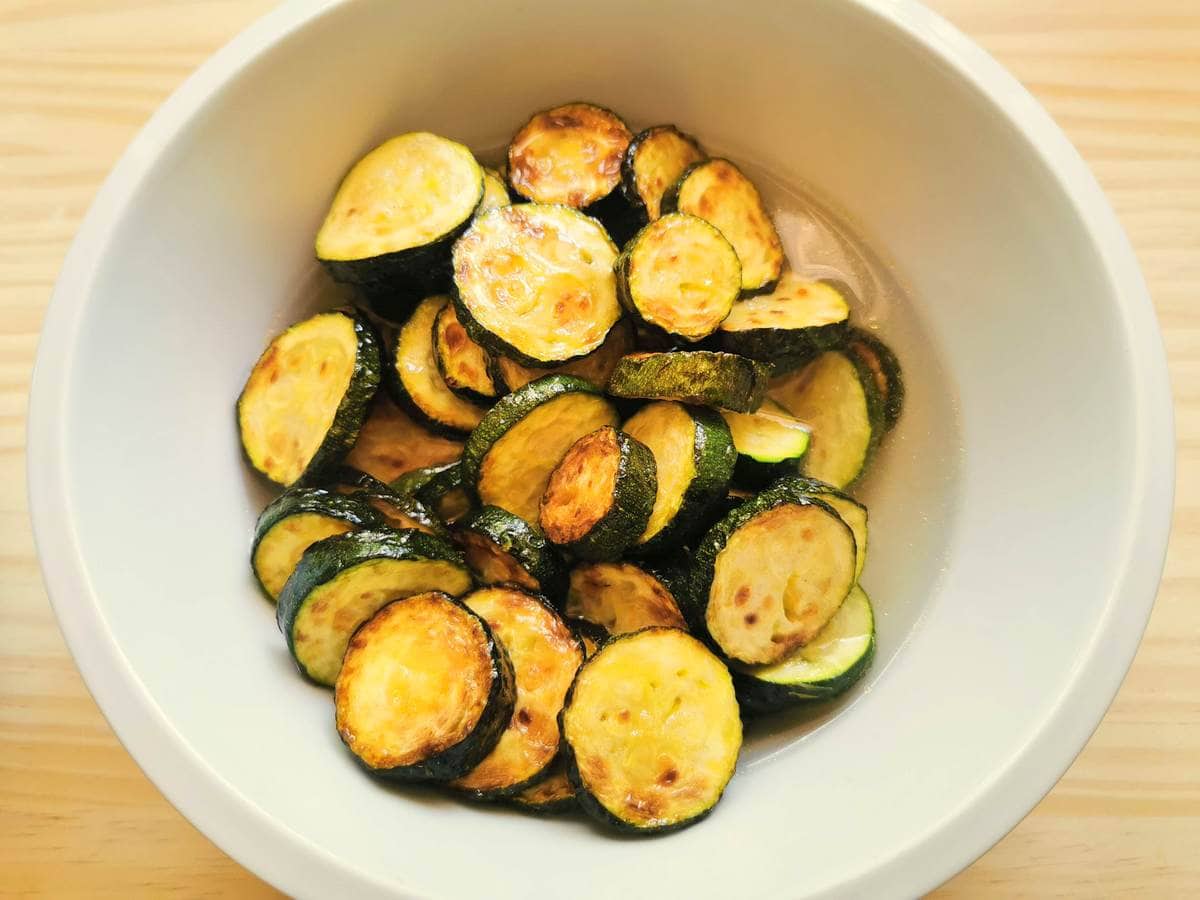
(864,345)
(699,377)
(446,494)
(368,487)
(752,472)
(411,482)
(592,636)
(522,541)
(629,185)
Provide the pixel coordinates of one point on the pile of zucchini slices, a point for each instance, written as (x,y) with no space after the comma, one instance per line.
(564,499)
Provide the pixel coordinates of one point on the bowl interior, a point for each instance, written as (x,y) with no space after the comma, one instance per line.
(998,506)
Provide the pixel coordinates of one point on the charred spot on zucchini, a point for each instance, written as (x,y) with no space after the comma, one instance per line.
(570,154)
(718,192)
(694,459)
(495,192)
(445,493)
(344,580)
(770,443)
(390,443)
(509,456)
(653,162)
(536,283)
(599,497)
(834,395)
(550,794)
(652,731)
(545,655)
(885,370)
(425,690)
(307,396)
(621,597)
(502,548)
(792,323)
(759,604)
(465,367)
(853,513)
(680,275)
(703,377)
(595,368)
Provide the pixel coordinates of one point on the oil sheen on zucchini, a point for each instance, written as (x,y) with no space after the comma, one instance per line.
(425,691)
(570,155)
(652,731)
(502,548)
(536,283)
(465,366)
(654,161)
(703,377)
(621,597)
(545,655)
(595,368)
(770,443)
(794,322)
(307,396)
(390,444)
(342,581)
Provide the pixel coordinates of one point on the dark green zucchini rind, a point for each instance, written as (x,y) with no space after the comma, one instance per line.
(592,635)
(600,496)
(446,494)
(885,367)
(829,665)
(302,407)
(413,737)
(552,794)
(694,456)
(702,377)
(650,778)
(502,548)
(343,580)
(399,510)
(791,324)
(770,443)
(411,482)
(466,368)
(853,513)
(653,162)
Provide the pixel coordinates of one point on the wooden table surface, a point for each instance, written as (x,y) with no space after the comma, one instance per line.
(79,77)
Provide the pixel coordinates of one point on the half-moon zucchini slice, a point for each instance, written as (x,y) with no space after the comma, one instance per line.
(794,322)
(704,377)
(502,548)
(621,597)
(397,510)
(654,161)
(570,155)
(466,367)
(596,368)
(390,443)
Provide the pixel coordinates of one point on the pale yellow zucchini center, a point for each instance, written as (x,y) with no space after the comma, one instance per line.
(794,303)
(571,154)
(621,597)
(661,159)
(668,430)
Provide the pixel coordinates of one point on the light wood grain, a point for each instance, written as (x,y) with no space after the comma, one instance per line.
(78,77)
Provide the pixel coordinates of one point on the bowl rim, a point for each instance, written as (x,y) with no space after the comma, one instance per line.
(297,865)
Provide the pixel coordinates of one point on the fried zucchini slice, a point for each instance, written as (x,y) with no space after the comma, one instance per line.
(652,731)
(425,691)
(653,162)
(599,498)
(495,192)
(853,513)
(595,368)
(307,396)
(570,154)
(502,548)
(884,367)
(391,443)
(679,275)
(621,597)
(536,283)
(770,443)
(466,367)
(342,581)
(545,655)
(445,493)
(550,794)
(725,380)
(718,192)
(794,322)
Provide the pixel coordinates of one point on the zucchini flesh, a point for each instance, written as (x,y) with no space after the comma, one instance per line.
(495,192)
(465,367)
(342,581)
(652,731)
(718,192)
(425,690)
(595,368)
(703,377)
(570,155)
(552,793)
(307,396)
(769,443)
(545,656)
(680,275)
(415,380)
(390,444)
(849,510)
(835,395)
(654,161)
(536,283)
(599,498)
(502,548)
(795,321)
(621,597)
(884,367)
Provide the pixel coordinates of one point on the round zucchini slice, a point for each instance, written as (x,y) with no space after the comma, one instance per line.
(794,322)
(770,443)
(398,510)
(417,384)
(694,459)
(536,283)
(398,211)
(853,513)
(390,443)
(307,396)
(835,396)
(621,597)
(599,498)
(595,368)
(510,455)
(294,521)
(550,794)
(466,367)
(545,656)
(654,161)
(501,548)
(826,666)
(680,275)
(425,691)
(342,581)
(570,155)
(495,192)
(718,192)
(769,575)
(652,731)
(885,370)
(725,380)
(445,493)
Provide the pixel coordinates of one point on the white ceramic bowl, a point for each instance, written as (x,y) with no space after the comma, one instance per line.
(1019,515)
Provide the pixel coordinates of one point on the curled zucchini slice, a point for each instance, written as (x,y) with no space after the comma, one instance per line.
(680,275)
(770,443)
(550,794)
(545,655)
(391,444)
(570,155)
(595,368)
(465,366)
(536,283)
(725,380)
(501,548)
(307,396)
(718,192)
(794,322)
(621,597)
(652,731)
(342,581)
(853,513)
(884,367)
(425,691)
(654,161)
(599,498)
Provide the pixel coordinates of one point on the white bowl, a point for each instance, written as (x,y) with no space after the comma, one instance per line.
(1020,513)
